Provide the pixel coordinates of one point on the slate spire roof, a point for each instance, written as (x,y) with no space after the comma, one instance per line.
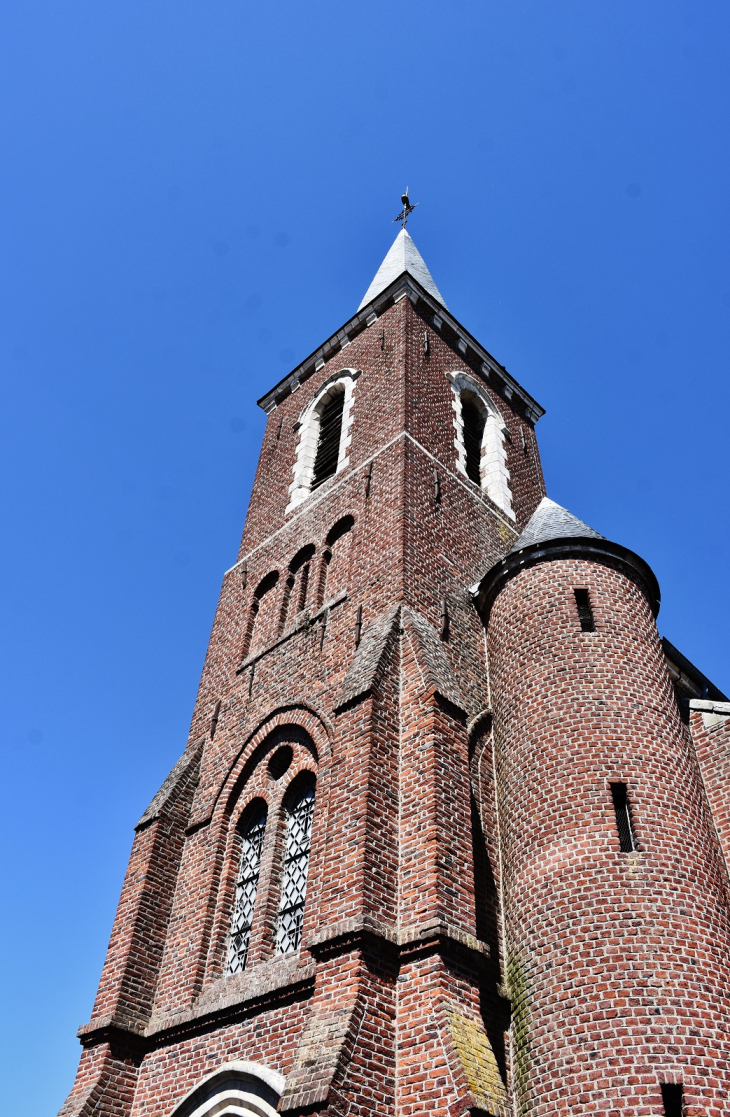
(552,521)
(551,533)
(402,256)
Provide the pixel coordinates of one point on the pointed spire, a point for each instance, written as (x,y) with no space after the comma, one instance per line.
(403,256)
(551,521)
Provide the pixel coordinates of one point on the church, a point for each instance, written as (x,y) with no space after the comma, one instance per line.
(450,833)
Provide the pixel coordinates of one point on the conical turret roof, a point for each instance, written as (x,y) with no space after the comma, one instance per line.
(552,532)
(552,521)
(402,256)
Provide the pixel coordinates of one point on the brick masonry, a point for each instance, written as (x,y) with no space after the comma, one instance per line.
(473,940)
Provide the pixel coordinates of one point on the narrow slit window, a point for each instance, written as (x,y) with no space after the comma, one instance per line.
(585,610)
(295,869)
(328,445)
(252,842)
(473,422)
(673,1098)
(624,824)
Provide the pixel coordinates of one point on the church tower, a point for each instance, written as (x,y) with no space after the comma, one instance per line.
(449,834)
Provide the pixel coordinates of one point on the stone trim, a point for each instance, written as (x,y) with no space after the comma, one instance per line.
(722,708)
(329,492)
(713,713)
(349,934)
(231,1080)
(308,424)
(222,1003)
(494,473)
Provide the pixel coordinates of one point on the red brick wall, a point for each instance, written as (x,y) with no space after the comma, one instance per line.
(391,916)
(711,735)
(618,963)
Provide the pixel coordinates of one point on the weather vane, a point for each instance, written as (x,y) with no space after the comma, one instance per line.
(407,210)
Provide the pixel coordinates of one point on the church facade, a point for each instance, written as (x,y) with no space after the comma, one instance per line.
(450,834)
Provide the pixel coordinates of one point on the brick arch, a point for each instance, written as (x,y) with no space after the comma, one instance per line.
(316,724)
(248,780)
(297,587)
(261,622)
(343,525)
(252,780)
(288,732)
(335,560)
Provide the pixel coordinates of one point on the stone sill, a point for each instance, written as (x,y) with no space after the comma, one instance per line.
(349,933)
(269,983)
(708,707)
(269,980)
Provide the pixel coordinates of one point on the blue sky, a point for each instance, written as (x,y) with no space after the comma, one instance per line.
(195,195)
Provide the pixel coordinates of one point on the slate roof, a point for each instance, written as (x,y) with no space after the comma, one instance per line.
(402,256)
(552,521)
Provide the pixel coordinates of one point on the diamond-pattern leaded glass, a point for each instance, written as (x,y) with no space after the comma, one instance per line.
(294,873)
(252,841)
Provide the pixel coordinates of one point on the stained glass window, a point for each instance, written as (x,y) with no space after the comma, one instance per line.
(252,841)
(294,871)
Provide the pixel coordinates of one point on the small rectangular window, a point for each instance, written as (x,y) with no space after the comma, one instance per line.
(585,612)
(624,824)
(673,1098)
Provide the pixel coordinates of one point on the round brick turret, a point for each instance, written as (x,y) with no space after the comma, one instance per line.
(614,891)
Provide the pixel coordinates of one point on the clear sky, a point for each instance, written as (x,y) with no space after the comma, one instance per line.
(193,195)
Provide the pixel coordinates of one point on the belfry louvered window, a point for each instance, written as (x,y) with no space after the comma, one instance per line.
(252,841)
(294,870)
(328,444)
(473,422)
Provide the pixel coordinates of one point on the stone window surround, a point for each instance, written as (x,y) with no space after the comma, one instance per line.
(493,466)
(234,1088)
(308,425)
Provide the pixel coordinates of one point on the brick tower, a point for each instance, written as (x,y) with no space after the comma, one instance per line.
(449,835)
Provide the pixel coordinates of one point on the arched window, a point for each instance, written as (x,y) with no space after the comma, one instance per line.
(299,807)
(261,626)
(234,1090)
(297,584)
(336,559)
(324,436)
(328,443)
(480,439)
(473,420)
(252,843)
